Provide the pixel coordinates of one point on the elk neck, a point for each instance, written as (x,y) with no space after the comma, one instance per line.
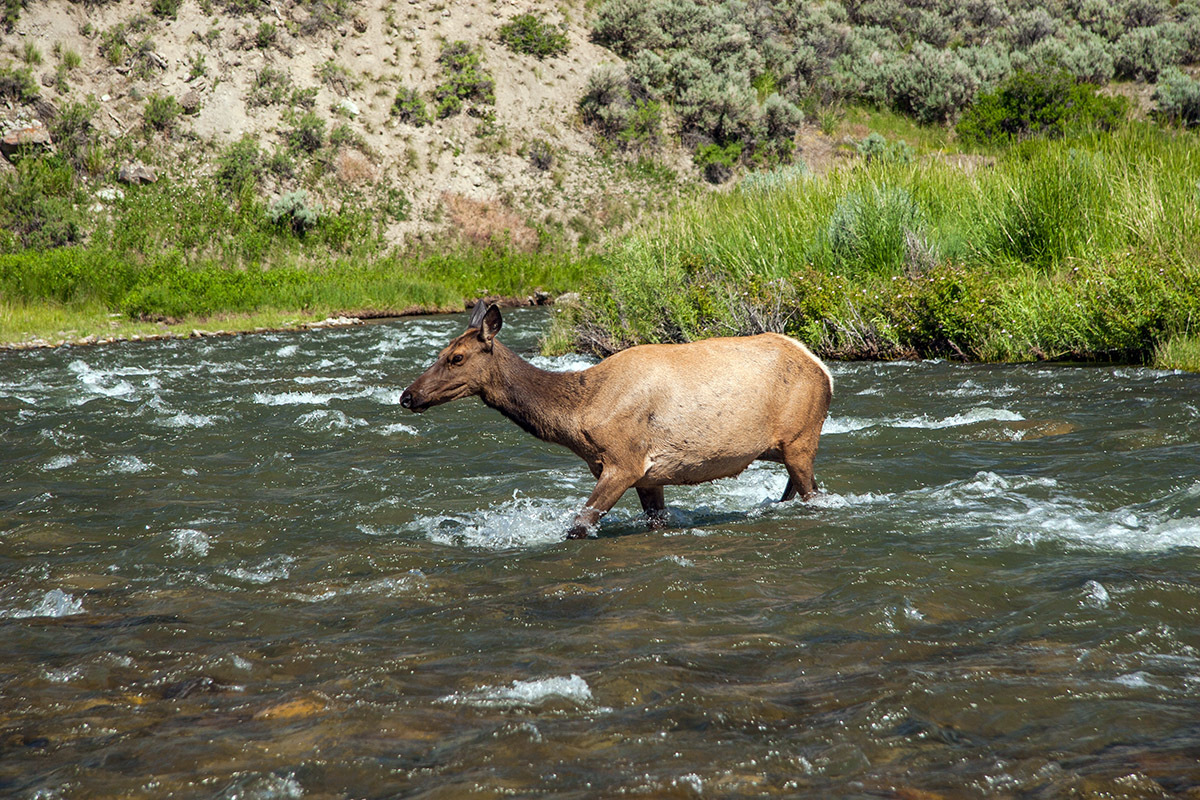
(545,404)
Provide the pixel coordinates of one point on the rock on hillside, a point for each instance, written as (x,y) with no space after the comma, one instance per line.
(525,164)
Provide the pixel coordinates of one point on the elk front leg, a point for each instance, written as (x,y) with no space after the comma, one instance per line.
(654,505)
(608,491)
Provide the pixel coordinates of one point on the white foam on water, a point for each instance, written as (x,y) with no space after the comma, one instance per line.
(329,420)
(298,398)
(63,675)
(758,487)
(100,383)
(1095,595)
(185,420)
(190,542)
(397,427)
(60,461)
(835,501)
(1029,510)
(1135,680)
(989,484)
(309,380)
(266,787)
(515,524)
(287,351)
(525,694)
(392,586)
(571,362)
(690,781)
(129,465)
(836,425)
(273,569)
(55,603)
(970,388)
(381,395)
(972,417)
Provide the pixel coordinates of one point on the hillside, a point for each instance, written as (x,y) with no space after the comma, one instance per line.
(522,161)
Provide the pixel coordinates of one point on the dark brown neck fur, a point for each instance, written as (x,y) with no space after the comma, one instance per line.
(541,402)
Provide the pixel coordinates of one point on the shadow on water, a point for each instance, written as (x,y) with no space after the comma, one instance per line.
(235,568)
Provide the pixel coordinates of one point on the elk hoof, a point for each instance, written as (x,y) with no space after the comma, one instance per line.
(578,532)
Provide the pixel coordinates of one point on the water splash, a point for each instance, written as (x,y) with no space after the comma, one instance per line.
(525,694)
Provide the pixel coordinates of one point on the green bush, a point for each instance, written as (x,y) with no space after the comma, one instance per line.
(409,107)
(17,84)
(336,77)
(1177,97)
(165,9)
(1143,52)
(265,35)
(875,148)
(72,130)
(161,112)
(717,161)
(292,211)
(464,80)
(307,133)
(239,166)
(932,85)
(40,204)
(11,13)
(528,35)
(606,101)
(1038,104)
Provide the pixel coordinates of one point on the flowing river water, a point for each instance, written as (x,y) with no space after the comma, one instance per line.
(236,568)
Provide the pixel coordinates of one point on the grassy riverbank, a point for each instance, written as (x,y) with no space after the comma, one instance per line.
(171,257)
(1086,248)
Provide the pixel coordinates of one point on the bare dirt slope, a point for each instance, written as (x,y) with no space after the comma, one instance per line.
(464,173)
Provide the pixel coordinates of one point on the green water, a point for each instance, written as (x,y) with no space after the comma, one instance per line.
(237,568)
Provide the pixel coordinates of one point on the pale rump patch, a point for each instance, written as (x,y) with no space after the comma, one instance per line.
(810,354)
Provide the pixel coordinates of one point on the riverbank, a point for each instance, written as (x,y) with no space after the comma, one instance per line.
(1080,249)
(30,327)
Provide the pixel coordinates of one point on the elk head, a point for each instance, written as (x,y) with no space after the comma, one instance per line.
(462,368)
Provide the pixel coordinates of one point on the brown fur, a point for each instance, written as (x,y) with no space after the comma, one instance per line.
(653,415)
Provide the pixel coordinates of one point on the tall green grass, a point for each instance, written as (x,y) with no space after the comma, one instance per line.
(1087,248)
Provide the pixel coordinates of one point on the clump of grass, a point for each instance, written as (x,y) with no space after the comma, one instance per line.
(1180,351)
(271,86)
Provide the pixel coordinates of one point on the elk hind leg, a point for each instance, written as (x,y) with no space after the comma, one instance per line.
(798,458)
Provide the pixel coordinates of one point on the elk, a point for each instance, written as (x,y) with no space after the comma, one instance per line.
(651,416)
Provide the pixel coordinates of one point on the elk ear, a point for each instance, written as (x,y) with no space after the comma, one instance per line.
(490,326)
(477,313)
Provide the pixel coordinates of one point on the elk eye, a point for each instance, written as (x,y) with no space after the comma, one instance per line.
(456,358)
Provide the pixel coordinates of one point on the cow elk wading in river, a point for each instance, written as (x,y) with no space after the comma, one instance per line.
(650,416)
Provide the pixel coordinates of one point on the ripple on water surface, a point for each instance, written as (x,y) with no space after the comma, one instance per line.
(236,568)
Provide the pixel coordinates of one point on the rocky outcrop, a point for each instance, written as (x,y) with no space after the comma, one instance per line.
(135,172)
(23,136)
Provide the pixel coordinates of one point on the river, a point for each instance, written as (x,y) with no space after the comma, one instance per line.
(236,568)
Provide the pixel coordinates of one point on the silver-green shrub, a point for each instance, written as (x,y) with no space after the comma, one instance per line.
(1177,97)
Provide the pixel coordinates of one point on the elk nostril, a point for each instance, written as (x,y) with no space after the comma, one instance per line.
(406,400)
